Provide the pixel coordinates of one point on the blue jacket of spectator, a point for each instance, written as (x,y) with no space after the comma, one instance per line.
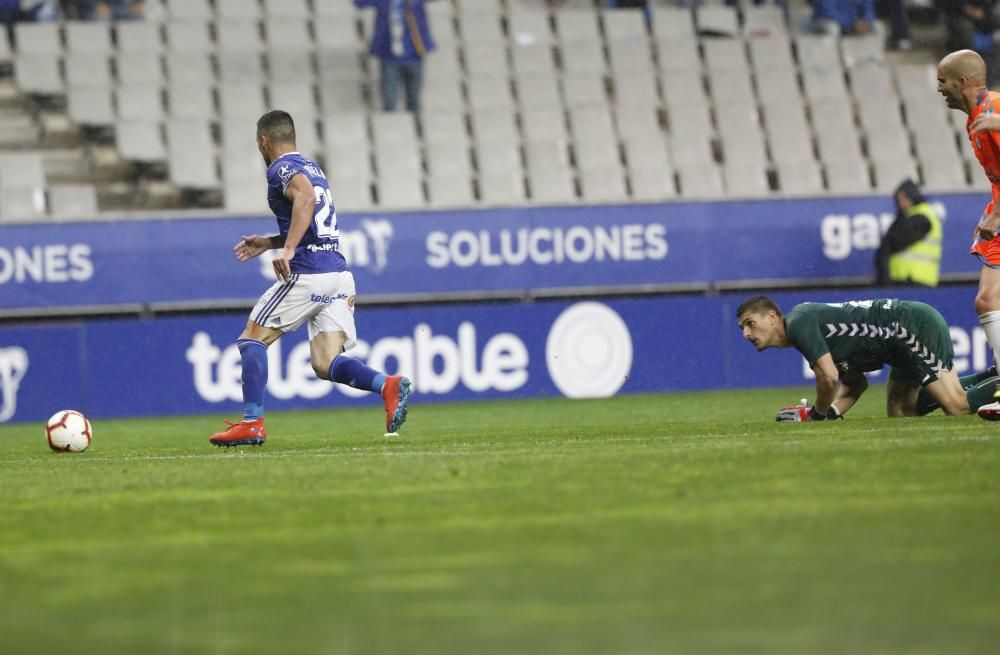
(382,38)
(12,11)
(845,12)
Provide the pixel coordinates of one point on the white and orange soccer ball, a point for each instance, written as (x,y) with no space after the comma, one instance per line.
(68,431)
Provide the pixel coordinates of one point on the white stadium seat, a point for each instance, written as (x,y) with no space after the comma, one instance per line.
(522,102)
(38,74)
(189,9)
(800,178)
(72,201)
(743,180)
(191,154)
(37,38)
(189,67)
(542,124)
(89,37)
(288,34)
(539,91)
(190,100)
(290,8)
(188,36)
(137,101)
(139,67)
(138,36)
(527,25)
(700,180)
(140,140)
(718,20)
(577,25)
(229,9)
(454,190)
(88,70)
(670,23)
(503,188)
(603,185)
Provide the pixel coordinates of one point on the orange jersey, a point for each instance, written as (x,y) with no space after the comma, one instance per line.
(986,145)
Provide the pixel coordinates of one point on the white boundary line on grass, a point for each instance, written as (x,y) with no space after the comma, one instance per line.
(706,441)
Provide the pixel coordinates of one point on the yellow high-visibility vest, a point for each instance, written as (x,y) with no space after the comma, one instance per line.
(921,262)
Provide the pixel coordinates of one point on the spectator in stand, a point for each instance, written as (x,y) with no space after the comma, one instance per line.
(401,39)
(910,252)
(847,17)
(969,25)
(899,22)
(15,11)
(104,9)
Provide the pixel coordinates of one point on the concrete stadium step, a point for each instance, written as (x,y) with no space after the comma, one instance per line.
(67,166)
(144,195)
(57,130)
(18,130)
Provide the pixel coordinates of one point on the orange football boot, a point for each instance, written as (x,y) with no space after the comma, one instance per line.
(244,433)
(395,393)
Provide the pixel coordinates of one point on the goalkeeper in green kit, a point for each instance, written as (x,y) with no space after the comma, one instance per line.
(841,341)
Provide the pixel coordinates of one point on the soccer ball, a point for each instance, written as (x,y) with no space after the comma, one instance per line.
(68,432)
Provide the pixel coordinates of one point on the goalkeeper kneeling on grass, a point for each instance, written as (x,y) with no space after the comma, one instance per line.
(843,340)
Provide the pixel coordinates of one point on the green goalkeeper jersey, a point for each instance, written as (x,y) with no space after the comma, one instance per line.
(865,335)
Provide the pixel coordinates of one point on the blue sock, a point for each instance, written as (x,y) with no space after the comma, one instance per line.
(254,356)
(353,373)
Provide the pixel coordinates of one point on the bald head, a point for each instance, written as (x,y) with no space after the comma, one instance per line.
(961,77)
(964,63)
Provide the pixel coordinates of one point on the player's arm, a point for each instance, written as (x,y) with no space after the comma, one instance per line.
(852,385)
(300,193)
(989,122)
(990,227)
(827,377)
(986,123)
(805,335)
(904,232)
(253,245)
(827,400)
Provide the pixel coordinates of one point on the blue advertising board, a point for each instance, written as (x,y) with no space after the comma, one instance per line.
(473,253)
(190,364)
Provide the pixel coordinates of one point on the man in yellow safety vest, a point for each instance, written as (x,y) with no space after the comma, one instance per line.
(910,252)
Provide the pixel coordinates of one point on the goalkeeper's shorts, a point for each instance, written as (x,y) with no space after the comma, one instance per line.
(926,351)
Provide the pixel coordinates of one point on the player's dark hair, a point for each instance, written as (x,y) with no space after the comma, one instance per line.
(758,305)
(277,125)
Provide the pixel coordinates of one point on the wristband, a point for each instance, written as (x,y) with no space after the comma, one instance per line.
(831,414)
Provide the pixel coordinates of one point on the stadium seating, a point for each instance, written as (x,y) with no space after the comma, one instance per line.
(521,103)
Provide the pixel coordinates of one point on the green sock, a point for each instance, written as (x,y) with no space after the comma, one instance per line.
(982,393)
(969,380)
(979,393)
(975,378)
(925,402)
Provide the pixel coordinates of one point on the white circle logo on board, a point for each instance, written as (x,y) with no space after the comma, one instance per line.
(589,351)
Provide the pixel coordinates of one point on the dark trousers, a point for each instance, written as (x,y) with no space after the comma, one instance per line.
(408,73)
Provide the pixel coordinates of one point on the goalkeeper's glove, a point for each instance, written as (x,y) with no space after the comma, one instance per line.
(805,412)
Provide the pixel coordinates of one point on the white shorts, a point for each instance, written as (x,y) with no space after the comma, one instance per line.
(326,300)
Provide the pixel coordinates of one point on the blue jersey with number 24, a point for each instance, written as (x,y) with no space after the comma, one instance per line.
(319,249)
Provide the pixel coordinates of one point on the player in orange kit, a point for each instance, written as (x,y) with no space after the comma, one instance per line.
(962,81)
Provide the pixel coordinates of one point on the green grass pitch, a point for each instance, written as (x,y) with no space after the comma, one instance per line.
(678,523)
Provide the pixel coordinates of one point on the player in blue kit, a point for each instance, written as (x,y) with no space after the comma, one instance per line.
(314,287)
